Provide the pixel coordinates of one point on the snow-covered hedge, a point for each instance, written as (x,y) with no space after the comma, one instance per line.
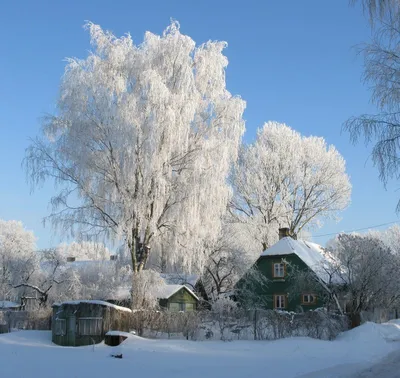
(239,324)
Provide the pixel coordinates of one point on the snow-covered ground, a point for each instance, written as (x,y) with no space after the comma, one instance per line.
(31,354)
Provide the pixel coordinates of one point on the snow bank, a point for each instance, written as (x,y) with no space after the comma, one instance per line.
(350,353)
(373,333)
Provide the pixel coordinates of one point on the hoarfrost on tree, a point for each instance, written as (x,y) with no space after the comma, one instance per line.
(144,137)
(285,179)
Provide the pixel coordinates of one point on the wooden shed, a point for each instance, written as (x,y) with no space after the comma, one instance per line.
(85,322)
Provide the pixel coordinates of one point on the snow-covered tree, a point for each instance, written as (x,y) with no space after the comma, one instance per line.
(85,250)
(144,137)
(146,287)
(377,9)
(285,179)
(391,238)
(369,270)
(229,259)
(18,260)
(381,75)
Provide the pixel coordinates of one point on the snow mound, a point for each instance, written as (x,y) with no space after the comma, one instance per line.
(120,333)
(373,333)
(27,338)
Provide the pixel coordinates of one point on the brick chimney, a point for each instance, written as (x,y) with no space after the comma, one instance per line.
(70,259)
(113,257)
(283,232)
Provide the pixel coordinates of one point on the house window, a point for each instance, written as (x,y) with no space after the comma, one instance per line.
(90,326)
(60,327)
(189,307)
(308,299)
(279,301)
(279,270)
(174,306)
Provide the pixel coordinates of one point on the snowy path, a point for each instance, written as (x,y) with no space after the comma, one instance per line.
(389,367)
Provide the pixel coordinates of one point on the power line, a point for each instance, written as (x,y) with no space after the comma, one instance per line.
(358,229)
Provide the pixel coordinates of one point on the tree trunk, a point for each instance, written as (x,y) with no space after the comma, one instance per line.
(355,318)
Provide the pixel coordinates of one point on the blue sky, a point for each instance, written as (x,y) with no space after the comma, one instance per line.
(292,61)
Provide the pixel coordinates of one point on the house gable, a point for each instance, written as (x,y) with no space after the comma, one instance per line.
(278,285)
(180,299)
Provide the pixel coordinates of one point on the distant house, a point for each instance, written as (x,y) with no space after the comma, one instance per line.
(172,297)
(277,265)
(192,281)
(85,322)
(177,298)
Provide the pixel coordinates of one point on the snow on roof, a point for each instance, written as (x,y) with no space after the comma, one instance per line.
(312,254)
(93,301)
(8,304)
(167,291)
(120,333)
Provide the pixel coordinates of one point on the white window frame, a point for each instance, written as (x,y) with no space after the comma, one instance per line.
(279,270)
(279,299)
(60,327)
(95,326)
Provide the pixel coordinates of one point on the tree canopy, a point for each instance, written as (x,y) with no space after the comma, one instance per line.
(142,143)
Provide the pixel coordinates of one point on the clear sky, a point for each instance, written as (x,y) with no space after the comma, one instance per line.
(292,61)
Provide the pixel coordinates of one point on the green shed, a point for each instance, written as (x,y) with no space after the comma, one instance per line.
(85,322)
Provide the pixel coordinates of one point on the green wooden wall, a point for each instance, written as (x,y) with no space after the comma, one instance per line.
(182,296)
(276,286)
(112,319)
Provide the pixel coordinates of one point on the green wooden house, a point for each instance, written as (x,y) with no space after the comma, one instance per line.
(278,266)
(177,298)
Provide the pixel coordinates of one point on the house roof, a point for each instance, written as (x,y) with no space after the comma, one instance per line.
(167,291)
(313,255)
(9,304)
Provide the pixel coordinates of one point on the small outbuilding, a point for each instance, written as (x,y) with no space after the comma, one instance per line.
(177,298)
(86,322)
(9,306)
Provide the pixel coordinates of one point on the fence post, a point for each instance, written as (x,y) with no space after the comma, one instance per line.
(255,324)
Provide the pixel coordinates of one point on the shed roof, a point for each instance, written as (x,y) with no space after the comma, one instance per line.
(313,255)
(9,304)
(93,301)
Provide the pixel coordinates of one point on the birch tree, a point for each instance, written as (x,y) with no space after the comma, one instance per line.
(382,75)
(377,9)
(141,143)
(285,179)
